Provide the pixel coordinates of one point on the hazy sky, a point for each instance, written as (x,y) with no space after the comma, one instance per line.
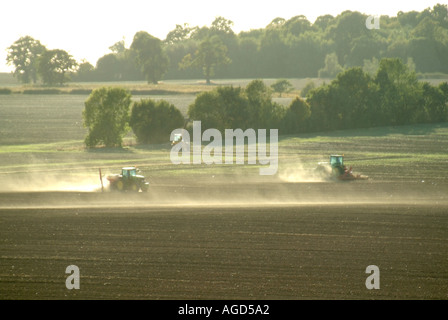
(87,28)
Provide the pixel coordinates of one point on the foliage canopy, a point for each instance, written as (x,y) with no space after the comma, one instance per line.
(152,121)
(106,115)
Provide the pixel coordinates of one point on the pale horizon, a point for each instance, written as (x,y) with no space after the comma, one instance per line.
(86,29)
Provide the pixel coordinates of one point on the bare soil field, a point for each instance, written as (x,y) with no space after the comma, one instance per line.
(221,240)
(218,231)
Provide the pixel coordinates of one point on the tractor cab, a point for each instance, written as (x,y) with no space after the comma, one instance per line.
(337,163)
(177,138)
(130,179)
(336,169)
(129,172)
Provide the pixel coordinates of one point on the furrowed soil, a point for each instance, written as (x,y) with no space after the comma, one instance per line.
(198,239)
(218,231)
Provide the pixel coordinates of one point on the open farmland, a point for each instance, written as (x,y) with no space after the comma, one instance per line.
(46,118)
(218,231)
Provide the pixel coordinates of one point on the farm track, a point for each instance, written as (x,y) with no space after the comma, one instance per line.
(223,240)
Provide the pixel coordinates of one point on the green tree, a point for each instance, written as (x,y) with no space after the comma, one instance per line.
(348,26)
(85,70)
(207,108)
(106,115)
(297,25)
(435,104)
(264,113)
(371,66)
(349,101)
(276,23)
(274,52)
(245,62)
(54,66)
(320,100)
(221,25)
(153,121)
(210,54)
(179,34)
(150,56)
(354,103)
(222,108)
(296,49)
(306,54)
(176,53)
(118,47)
(440,14)
(235,107)
(229,107)
(408,18)
(322,22)
(332,67)
(399,92)
(444,89)
(362,48)
(120,65)
(310,85)
(108,67)
(23,54)
(296,116)
(282,85)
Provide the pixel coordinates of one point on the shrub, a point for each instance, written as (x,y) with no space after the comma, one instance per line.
(296,115)
(106,115)
(5,91)
(41,91)
(307,88)
(152,121)
(81,91)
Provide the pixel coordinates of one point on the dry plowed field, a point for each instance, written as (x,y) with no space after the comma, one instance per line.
(223,240)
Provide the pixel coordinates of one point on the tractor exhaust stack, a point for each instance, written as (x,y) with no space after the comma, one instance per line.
(101,179)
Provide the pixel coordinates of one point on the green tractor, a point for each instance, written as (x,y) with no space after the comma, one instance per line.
(128,180)
(336,169)
(177,139)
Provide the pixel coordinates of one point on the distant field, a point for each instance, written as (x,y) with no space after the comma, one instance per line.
(218,231)
(179,86)
(51,118)
(192,86)
(46,118)
(44,133)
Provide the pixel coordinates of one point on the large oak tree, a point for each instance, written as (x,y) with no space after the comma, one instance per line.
(23,54)
(54,65)
(150,56)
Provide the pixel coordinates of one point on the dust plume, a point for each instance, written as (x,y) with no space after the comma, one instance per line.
(45,181)
(297,172)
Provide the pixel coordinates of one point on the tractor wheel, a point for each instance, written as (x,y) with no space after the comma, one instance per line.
(135,187)
(119,185)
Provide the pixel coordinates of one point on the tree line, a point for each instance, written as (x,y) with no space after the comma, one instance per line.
(293,48)
(355,99)
(109,114)
(33,61)
(392,96)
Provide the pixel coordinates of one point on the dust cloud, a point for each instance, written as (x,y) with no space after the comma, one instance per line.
(293,185)
(299,173)
(46,182)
